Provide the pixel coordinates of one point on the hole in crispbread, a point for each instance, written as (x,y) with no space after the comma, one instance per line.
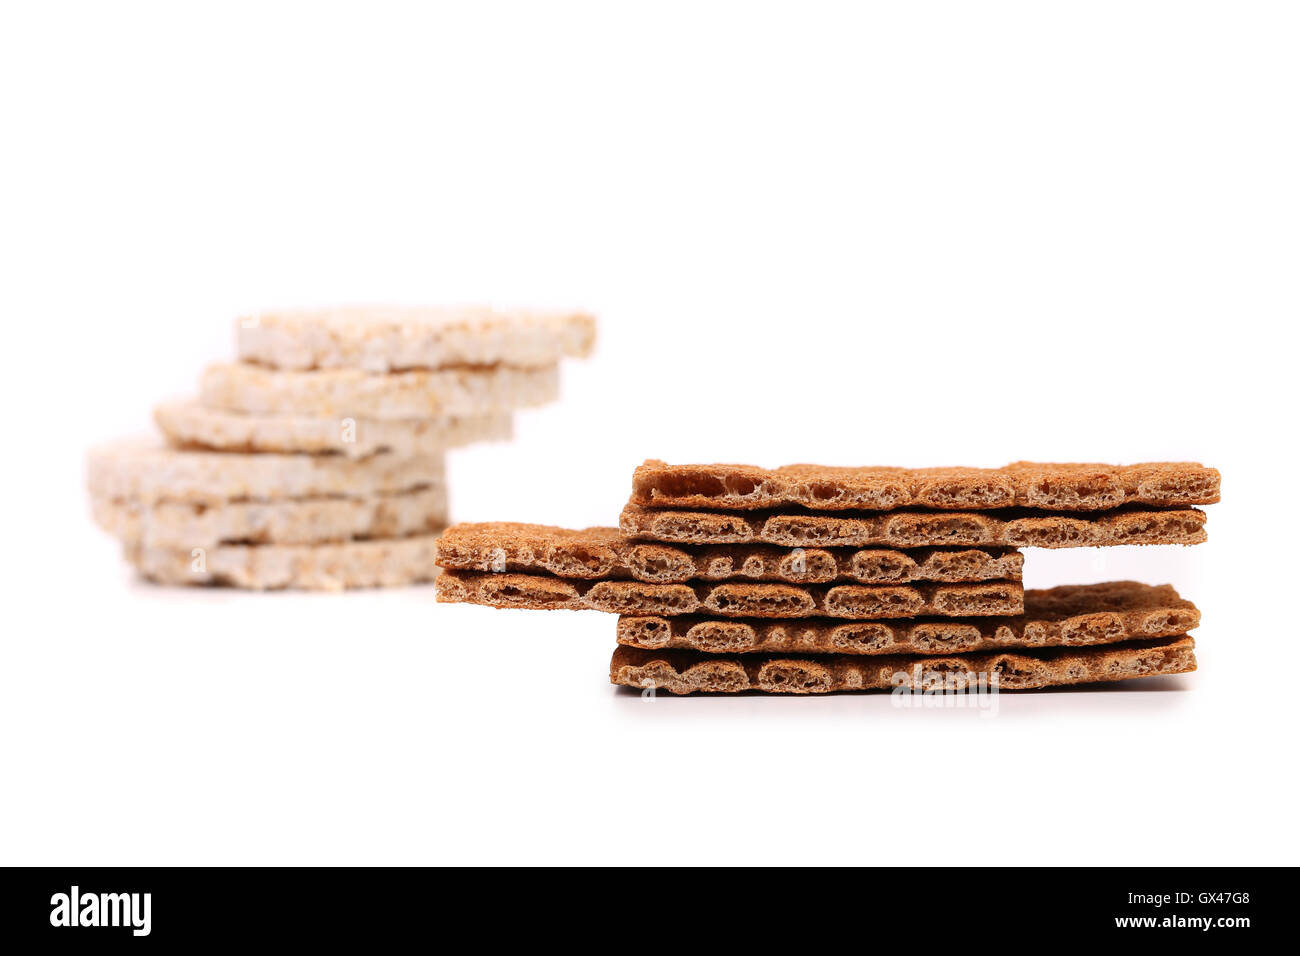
(720,677)
(864,636)
(721,636)
(824,492)
(520,593)
(1047,534)
(794,677)
(739,486)
(762,604)
(1168,621)
(1160,489)
(1097,491)
(944,638)
(579,561)
(881,566)
(958,494)
(654,563)
(702,486)
(808,565)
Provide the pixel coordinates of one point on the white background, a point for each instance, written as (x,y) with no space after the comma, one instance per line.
(864,234)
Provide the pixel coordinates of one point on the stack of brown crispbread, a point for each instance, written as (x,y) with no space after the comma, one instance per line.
(809,579)
(317,460)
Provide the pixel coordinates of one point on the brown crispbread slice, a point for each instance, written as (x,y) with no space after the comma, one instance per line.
(604,553)
(1015,528)
(733,599)
(687,672)
(1072,615)
(1048,486)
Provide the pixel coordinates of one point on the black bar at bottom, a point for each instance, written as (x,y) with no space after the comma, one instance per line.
(739,907)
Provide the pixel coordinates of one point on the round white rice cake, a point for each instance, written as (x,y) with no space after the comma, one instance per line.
(352,393)
(383,338)
(312,567)
(170,524)
(147,471)
(191,423)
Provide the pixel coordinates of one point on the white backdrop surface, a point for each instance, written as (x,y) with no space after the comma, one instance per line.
(854,234)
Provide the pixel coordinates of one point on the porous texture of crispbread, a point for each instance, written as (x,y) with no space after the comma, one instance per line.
(1048,487)
(735,599)
(1073,615)
(352,393)
(383,338)
(604,553)
(319,567)
(916,529)
(686,672)
(146,472)
(170,524)
(191,424)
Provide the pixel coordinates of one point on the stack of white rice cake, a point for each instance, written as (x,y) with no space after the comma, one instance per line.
(317,460)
